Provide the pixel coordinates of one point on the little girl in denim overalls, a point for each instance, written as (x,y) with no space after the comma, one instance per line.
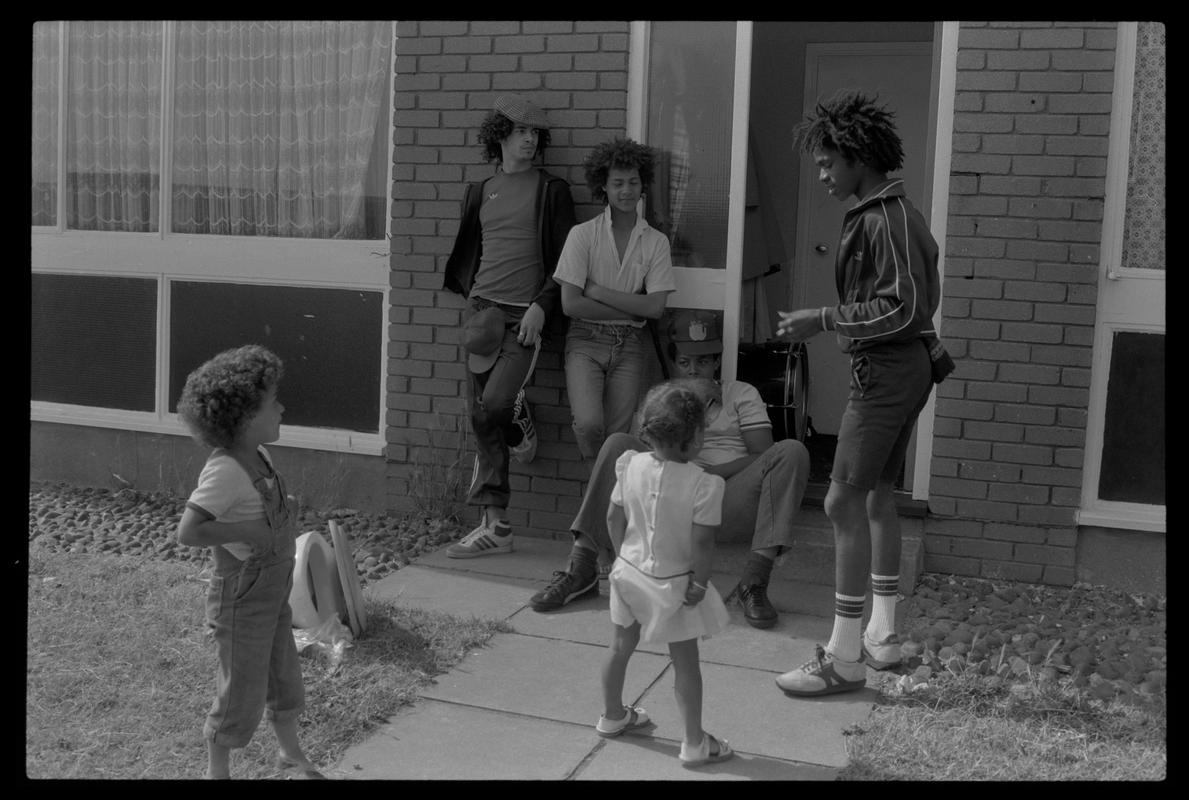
(240,509)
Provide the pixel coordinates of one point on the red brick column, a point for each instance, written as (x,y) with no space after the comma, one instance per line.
(448,74)
(1031,122)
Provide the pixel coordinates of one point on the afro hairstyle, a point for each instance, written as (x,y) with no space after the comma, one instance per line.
(617,154)
(221,396)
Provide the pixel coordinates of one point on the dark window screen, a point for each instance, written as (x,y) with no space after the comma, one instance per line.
(1133,434)
(94,341)
(329,340)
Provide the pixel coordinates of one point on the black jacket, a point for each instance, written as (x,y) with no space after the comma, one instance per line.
(555,217)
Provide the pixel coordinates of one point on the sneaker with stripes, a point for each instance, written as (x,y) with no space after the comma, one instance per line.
(483,541)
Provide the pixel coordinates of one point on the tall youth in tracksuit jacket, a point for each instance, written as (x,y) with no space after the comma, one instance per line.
(886,273)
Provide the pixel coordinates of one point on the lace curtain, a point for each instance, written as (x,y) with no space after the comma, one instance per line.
(278,127)
(45,123)
(113,128)
(1143,227)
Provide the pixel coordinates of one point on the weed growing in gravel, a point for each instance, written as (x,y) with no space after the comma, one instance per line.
(119,675)
(439,473)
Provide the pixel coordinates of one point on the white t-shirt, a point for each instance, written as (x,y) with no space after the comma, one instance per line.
(742,409)
(225,493)
(590,252)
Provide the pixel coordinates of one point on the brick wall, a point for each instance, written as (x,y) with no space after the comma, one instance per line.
(448,75)
(1031,122)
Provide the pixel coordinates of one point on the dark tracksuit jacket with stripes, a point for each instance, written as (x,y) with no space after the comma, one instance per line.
(886,273)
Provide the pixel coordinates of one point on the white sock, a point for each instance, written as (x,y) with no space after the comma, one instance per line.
(848,627)
(884,590)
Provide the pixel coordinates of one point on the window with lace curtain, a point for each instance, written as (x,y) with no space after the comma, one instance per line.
(278,128)
(1143,227)
(210,160)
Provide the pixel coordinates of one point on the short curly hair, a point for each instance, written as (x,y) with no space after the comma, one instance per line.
(495,128)
(671,415)
(851,123)
(221,396)
(617,154)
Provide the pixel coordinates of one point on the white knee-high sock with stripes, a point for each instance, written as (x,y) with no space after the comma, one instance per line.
(848,621)
(884,590)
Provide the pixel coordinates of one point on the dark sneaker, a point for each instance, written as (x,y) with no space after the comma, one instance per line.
(526,450)
(823,674)
(565,588)
(757,609)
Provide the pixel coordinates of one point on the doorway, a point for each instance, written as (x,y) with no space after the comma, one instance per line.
(727,154)
(794,66)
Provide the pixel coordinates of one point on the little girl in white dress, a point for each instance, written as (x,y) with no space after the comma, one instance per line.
(663,516)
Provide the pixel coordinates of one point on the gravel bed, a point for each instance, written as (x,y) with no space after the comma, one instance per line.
(1109,642)
(134,523)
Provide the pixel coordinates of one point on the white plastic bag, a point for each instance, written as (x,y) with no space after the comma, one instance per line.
(330,639)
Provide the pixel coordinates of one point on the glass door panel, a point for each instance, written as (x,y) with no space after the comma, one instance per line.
(690,97)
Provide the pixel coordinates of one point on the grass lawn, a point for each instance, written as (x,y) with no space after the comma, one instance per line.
(961,728)
(119,674)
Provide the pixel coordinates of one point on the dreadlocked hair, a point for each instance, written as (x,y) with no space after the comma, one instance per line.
(851,123)
(671,416)
(495,128)
(617,154)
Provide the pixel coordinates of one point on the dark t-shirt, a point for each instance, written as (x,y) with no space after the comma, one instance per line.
(510,269)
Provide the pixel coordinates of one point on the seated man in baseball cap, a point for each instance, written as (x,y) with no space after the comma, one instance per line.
(765,480)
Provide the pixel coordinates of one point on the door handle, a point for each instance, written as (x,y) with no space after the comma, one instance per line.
(821,248)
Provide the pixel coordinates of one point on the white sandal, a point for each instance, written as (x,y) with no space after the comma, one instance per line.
(697,757)
(636,717)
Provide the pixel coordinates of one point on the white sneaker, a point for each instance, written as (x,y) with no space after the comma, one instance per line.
(823,674)
(881,655)
(483,541)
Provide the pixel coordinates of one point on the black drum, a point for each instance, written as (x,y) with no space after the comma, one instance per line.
(780,372)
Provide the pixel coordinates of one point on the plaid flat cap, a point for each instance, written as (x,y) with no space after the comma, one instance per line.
(520,109)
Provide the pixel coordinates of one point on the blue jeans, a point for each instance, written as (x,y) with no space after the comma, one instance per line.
(492,396)
(248,614)
(604,367)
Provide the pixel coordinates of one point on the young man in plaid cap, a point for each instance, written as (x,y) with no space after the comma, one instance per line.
(765,480)
(511,233)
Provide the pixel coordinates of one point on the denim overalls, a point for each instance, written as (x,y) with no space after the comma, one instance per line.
(247,609)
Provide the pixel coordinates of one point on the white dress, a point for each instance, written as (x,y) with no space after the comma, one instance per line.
(662,501)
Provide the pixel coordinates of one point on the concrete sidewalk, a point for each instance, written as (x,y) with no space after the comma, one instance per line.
(524,706)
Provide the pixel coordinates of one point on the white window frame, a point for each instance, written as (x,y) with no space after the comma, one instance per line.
(357,264)
(1129,299)
(718,289)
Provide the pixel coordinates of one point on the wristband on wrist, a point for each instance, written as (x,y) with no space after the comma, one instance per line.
(824,328)
(700,586)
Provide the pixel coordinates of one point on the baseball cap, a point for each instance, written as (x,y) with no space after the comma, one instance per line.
(520,109)
(482,336)
(695,332)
